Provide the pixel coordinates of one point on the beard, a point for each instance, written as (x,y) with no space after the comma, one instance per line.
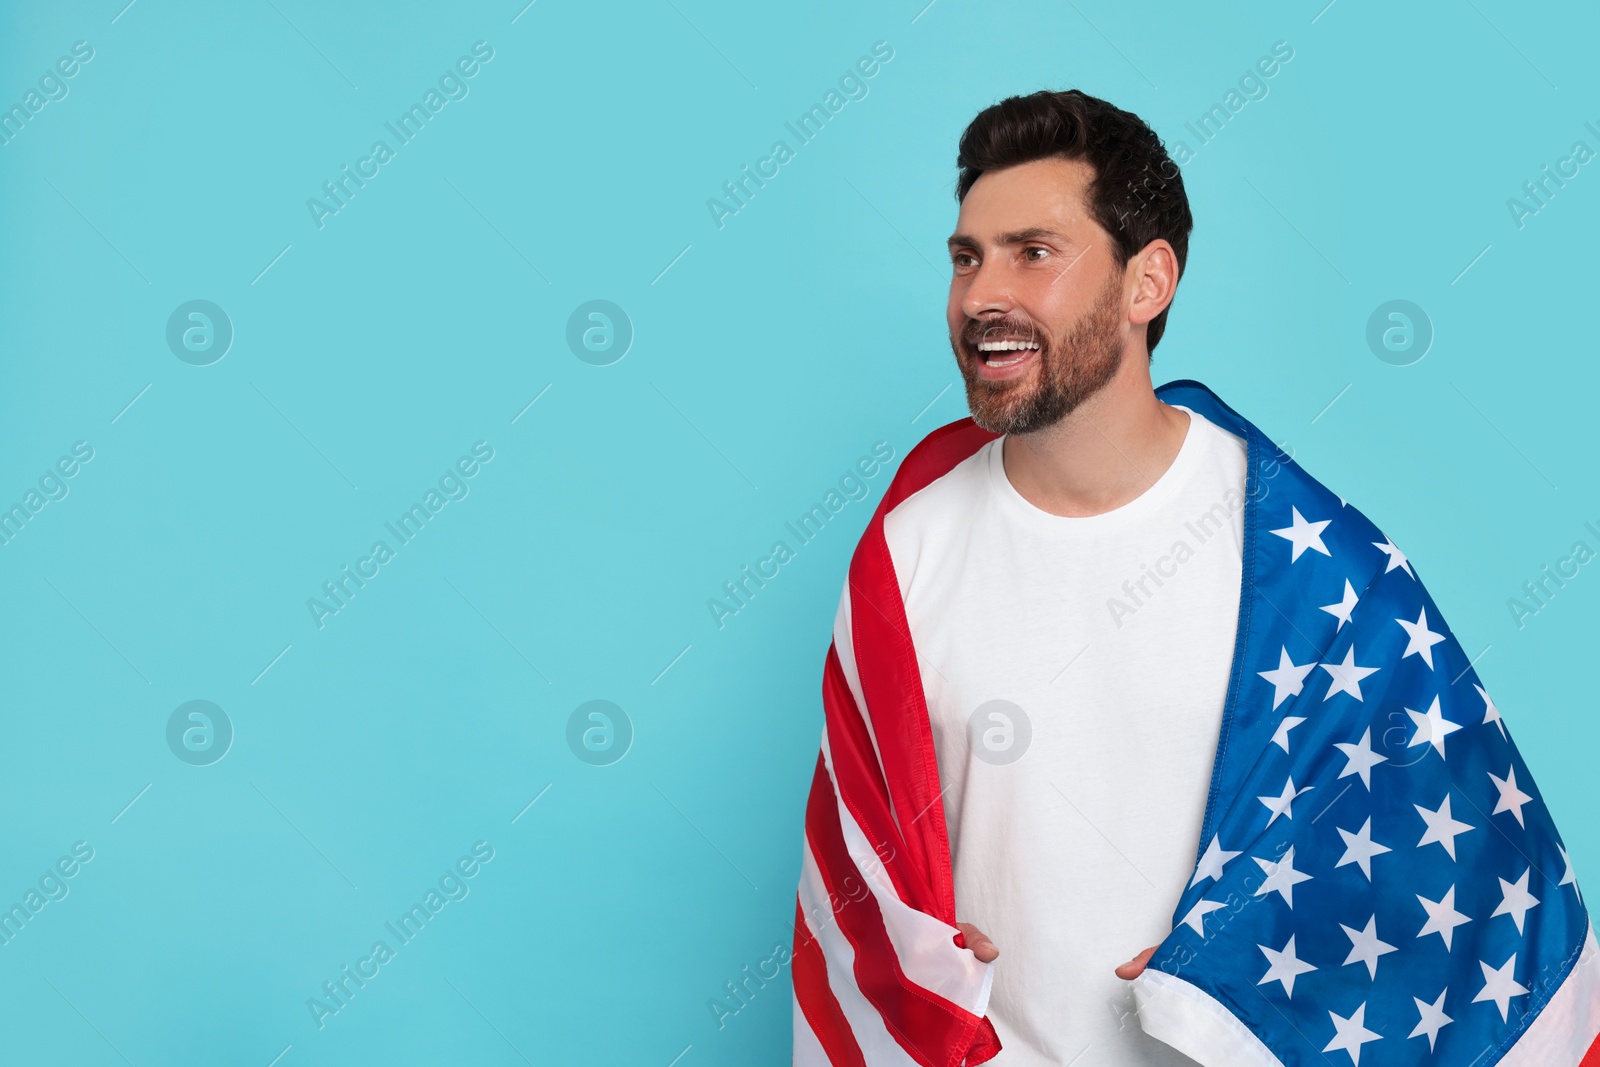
(1066,376)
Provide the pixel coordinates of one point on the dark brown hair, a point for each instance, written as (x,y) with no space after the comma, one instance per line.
(1137,193)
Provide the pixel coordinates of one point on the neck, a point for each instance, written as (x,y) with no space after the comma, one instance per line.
(1103,454)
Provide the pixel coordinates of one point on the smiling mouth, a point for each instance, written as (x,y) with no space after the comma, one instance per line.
(1000,353)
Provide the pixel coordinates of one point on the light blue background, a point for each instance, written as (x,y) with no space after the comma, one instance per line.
(776,350)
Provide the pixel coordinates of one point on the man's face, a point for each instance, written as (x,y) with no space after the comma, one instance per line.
(1035,282)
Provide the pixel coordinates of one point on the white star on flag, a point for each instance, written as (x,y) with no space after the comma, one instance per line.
(1280,736)
(1443,917)
(1396,557)
(1359,848)
(1285,966)
(1361,758)
(1432,727)
(1287,679)
(1197,914)
(1570,878)
(1281,877)
(1491,714)
(1365,946)
(1350,1034)
(1515,900)
(1304,535)
(1511,798)
(1346,677)
(1499,986)
(1342,610)
(1420,639)
(1211,864)
(1279,805)
(1442,827)
(1433,1019)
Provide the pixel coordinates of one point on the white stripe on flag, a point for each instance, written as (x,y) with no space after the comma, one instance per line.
(1193,1022)
(877,1046)
(844,644)
(921,942)
(807,1049)
(1570,1020)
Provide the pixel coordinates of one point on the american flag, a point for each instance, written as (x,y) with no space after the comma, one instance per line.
(1377,876)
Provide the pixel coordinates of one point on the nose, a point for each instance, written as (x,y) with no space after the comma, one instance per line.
(988,292)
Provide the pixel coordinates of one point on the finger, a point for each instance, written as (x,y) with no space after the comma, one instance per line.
(1135,967)
(978,943)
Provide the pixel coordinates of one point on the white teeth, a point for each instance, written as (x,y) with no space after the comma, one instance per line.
(1005,346)
(1005,362)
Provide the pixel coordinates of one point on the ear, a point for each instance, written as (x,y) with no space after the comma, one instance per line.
(1155,272)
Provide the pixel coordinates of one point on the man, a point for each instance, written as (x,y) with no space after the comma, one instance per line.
(1057,711)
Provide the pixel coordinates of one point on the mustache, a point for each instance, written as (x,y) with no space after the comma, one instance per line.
(1009,328)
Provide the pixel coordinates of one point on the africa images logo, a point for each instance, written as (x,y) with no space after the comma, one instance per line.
(852,86)
(853,484)
(452,85)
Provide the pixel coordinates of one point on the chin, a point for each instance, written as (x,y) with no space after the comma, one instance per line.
(995,413)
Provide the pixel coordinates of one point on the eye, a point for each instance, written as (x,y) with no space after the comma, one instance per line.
(1028,251)
(962,260)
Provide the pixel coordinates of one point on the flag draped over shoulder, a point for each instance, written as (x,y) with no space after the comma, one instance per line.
(1376,877)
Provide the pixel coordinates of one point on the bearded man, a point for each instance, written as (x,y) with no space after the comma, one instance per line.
(1112,671)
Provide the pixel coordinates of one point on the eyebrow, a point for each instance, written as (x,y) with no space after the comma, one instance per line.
(1016,237)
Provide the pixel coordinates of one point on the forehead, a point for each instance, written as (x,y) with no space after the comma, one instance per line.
(1049,193)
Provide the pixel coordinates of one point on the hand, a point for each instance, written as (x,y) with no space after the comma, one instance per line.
(979,942)
(1135,967)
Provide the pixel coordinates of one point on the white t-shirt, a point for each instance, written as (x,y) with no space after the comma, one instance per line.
(1074,821)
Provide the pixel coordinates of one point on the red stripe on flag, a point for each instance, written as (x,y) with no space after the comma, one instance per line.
(1592,1057)
(861,785)
(817,1002)
(886,661)
(985,1046)
(933,1031)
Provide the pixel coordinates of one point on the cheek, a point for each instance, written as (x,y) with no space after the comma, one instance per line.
(1059,302)
(953,312)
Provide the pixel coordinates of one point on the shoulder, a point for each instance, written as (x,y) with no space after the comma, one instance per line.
(1290,506)
(936,455)
(1296,509)
(1229,445)
(942,464)
(933,493)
